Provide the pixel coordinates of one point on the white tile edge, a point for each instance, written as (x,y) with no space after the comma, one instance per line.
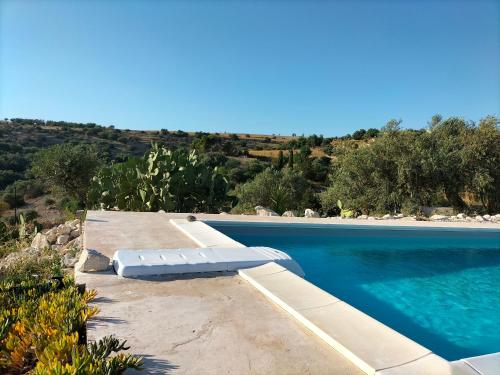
(335,344)
(190,229)
(222,239)
(309,325)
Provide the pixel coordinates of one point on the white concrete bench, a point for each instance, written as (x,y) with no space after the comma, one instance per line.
(136,263)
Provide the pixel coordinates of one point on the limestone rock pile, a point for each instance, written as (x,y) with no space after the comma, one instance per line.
(63,237)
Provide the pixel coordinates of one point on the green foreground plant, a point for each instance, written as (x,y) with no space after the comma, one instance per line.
(40,332)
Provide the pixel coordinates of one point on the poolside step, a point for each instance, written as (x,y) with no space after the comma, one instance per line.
(130,263)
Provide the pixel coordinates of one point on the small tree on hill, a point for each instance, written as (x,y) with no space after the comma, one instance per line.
(68,168)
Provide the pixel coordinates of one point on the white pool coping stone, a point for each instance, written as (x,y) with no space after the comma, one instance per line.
(138,263)
(369,344)
(372,346)
(204,235)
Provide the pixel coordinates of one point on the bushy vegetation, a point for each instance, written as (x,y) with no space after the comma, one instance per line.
(450,162)
(43,318)
(405,169)
(161,180)
(279,190)
(68,168)
(41,326)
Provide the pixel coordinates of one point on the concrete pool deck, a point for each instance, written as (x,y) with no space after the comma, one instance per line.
(226,324)
(215,324)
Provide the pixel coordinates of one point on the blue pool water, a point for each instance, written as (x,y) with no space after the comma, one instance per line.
(440,287)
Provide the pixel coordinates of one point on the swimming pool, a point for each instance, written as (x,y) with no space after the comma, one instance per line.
(440,287)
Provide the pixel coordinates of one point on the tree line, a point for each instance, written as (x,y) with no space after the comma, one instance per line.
(450,162)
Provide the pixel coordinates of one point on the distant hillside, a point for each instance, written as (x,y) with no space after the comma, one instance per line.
(21,138)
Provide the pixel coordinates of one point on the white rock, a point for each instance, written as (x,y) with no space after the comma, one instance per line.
(310,213)
(479,218)
(264,211)
(461,216)
(371,218)
(362,217)
(92,261)
(223,213)
(289,214)
(74,233)
(40,242)
(438,217)
(63,229)
(62,239)
(52,235)
(494,219)
(69,261)
(497,216)
(487,217)
(399,216)
(71,244)
(72,223)
(387,217)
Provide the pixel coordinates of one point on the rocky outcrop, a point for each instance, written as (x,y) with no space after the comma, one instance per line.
(92,261)
(289,214)
(310,213)
(264,211)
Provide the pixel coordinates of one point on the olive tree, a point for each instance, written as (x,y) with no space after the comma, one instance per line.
(67,168)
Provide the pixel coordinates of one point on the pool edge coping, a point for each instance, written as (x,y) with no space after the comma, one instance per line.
(207,236)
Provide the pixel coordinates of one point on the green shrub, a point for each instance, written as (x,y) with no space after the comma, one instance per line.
(7,232)
(13,200)
(40,327)
(279,190)
(28,265)
(162,179)
(68,168)
(7,177)
(25,189)
(4,206)
(68,204)
(30,215)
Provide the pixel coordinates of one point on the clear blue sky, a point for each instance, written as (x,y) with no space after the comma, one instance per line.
(249,66)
